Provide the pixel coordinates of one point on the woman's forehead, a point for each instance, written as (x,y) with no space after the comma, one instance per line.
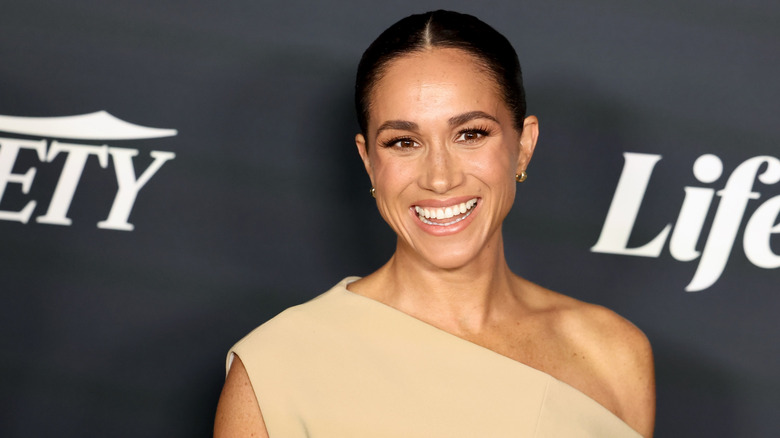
(433,83)
(435,65)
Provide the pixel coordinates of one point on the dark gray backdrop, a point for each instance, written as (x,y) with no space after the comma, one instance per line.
(123,333)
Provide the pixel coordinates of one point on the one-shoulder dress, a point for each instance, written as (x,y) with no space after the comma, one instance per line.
(344,365)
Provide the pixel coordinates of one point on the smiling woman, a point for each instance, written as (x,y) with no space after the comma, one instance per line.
(439,138)
(444,339)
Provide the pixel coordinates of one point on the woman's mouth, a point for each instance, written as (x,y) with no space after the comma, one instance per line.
(444,216)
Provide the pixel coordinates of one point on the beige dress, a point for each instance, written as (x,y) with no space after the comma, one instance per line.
(343,365)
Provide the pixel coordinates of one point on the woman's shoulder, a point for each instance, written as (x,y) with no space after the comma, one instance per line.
(590,326)
(607,357)
(597,327)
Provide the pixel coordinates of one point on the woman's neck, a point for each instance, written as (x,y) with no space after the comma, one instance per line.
(457,299)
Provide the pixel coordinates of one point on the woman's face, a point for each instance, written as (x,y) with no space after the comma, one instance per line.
(442,154)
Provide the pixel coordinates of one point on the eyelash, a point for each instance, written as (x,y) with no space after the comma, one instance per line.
(484,131)
(395,140)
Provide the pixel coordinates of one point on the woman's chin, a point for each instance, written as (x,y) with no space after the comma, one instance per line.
(448,259)
(448,252)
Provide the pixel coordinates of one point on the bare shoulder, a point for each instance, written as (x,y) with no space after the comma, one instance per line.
(238,414)
(623,358)
(606,356)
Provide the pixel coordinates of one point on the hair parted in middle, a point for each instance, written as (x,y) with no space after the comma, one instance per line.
(442,29)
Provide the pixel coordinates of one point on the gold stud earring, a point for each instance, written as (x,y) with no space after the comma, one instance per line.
(373,192)
(522,176)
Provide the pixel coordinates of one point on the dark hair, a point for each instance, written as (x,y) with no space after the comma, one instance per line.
(445,29)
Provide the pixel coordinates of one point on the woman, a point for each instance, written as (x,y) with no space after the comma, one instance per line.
(443,340)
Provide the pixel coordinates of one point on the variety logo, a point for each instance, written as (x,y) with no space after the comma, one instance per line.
(96,126)
(734,197)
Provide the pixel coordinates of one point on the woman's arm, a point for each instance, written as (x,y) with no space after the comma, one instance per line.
(625,361)
(612,362)
(238,414)
(640,383)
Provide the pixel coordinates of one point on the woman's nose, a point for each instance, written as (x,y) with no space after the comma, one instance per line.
(441,170)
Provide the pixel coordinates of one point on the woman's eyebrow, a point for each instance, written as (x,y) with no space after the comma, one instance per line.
(471,115)
(404,125)
(401,125)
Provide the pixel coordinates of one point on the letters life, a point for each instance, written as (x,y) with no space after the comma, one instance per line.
(77,155)
(735,196)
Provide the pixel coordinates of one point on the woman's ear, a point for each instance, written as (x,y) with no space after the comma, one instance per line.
(360,142)
(527,142)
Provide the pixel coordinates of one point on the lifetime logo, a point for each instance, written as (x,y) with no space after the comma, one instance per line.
(735,196)
(99,126)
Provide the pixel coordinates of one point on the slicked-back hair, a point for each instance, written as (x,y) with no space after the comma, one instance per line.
(442,29)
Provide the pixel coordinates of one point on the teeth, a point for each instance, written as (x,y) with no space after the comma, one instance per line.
(445,213)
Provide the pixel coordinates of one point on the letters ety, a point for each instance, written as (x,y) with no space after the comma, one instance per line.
(685,233)
(77,155)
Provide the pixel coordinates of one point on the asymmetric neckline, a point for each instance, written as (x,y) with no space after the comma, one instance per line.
(341,287)
(346,365)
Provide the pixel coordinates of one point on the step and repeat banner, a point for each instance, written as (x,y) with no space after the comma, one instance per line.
(173,174)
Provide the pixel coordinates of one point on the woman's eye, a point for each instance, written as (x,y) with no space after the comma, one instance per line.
(471,136)
(401,143)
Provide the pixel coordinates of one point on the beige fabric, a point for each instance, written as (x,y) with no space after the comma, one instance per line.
(343,365)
